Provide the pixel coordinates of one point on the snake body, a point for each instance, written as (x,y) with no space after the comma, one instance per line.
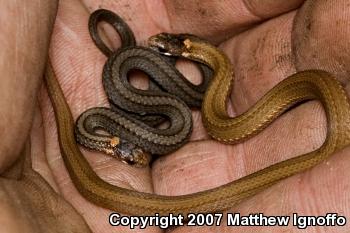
(307,85)
(130,99)
(132,120)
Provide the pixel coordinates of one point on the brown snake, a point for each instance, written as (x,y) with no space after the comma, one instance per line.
(307,85)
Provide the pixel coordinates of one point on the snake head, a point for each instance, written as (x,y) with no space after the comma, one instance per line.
(169,44)
(130,154)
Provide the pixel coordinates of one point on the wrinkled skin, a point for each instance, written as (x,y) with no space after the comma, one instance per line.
(266,42)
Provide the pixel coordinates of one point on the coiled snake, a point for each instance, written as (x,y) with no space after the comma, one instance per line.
(307,85)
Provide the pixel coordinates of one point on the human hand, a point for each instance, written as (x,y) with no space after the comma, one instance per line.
(271,47)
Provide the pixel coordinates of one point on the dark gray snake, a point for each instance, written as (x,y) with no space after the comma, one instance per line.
(131,122)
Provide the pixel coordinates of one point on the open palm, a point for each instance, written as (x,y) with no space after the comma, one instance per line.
(266,42)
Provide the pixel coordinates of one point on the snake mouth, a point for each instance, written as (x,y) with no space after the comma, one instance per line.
(161,50)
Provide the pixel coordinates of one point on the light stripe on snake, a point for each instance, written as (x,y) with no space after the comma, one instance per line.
(301,86)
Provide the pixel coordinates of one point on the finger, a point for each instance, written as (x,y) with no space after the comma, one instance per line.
(15,171)
(137,14)
(38,158)
(323,43)
(24,46)
(219,21)
(30,203)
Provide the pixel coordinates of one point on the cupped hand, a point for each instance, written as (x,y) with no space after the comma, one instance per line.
(266,43)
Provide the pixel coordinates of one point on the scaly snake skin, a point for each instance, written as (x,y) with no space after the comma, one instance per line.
(130,125)
(301,86)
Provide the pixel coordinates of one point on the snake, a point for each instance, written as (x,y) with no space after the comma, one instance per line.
(299,87)
(134,114)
